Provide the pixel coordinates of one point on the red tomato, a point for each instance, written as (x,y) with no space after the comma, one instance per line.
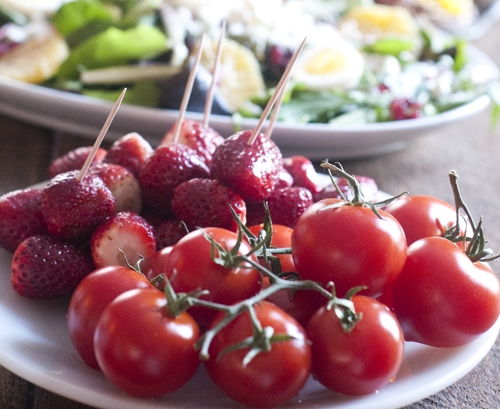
(141,349)
(360,361)
(90,298)
(442,298)
(271,378)
(153,266)
(190,267)
(281,238)
(350,246)
(422,216)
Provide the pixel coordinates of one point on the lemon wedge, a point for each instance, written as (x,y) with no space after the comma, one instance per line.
(338,65)
(240,75)
(36,60)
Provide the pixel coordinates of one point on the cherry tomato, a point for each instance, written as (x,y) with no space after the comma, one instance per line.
(349,246)
(90,298)
(190,267)
(442,298)
(141,349)
(362,360)
(271,378)
(153,266)
(281,238)
(422,216)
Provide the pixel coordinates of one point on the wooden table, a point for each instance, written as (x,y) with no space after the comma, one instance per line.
(468,147)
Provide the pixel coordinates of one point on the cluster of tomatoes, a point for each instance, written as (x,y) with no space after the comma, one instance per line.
(267,306)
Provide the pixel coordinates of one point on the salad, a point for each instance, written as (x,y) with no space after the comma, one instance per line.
(364,61)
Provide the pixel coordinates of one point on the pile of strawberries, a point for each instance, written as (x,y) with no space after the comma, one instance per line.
(135,201)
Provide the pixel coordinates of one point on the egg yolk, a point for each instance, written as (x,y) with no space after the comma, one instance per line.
(325,62)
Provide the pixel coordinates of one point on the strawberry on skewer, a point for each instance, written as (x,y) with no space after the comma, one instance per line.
(200,136)
(74,203)
(248,162)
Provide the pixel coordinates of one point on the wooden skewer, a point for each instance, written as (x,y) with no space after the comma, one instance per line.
(101,136)
(274,115)
(187,92)
(211,90)
(274,97)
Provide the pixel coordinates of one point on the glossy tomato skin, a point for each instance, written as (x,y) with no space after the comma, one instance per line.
(191,267)
(141,349)
(88,301)
(270,378)
(350,246)
(422,216)
(443,299)
(155,265)
(363,360)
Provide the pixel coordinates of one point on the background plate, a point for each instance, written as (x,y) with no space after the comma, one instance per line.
(84,116)
(35,345)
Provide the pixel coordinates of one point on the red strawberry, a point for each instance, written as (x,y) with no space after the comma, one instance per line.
(285,206)
(123,185)
(129,151)
(125,232)
(285,179)
(168,232)
(73,208)
(251,170)
(74,160)
(20,217)
(164,170)
(205,203)
(303,172)
(46,268)
(368,187)
(202,140)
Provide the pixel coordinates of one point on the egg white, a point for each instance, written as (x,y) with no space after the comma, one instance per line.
(335,65)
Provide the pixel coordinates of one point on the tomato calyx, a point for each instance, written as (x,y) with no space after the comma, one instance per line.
(475,246)
(344,308)
(177,303)
(358,198)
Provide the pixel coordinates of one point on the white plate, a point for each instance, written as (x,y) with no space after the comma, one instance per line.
(35,345)
(80,115)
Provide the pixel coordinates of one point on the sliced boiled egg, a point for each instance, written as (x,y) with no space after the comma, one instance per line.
(452,7)
(368,24)
(338,65)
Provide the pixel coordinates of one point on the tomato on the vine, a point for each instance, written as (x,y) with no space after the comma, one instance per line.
(281,238)
(349,245)
(143,350)
(89,299)
(359,361)
(422,216)
(442,298)
(190,267)
(272,377)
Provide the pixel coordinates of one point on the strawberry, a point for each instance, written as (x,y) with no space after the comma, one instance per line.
(46,268)
(72,208)
(74,160)
(123,185)
(285,179)
(168,232)
(206,203)
(129,151)
(125,232)
(164,170)
(251,170)
(368,185)
(202,140)
(303,172)
(285,206)
(20,217)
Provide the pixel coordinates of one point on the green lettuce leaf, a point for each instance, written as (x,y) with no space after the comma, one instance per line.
(75,15)
(113,47)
